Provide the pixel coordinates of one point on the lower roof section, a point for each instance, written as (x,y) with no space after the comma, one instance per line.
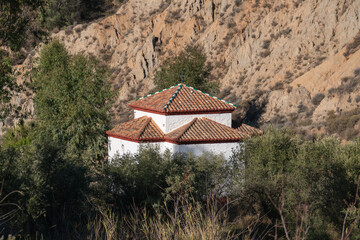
(204,130)
(138,130)
(198,131)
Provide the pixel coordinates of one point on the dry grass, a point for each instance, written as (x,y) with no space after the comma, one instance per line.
(186,219)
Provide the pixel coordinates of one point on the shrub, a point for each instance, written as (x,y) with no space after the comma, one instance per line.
(226,7)
(267,5)
(297,3)
(278,86)
(69,31)
(301,108)
(349,84)
(288,75)
(343,124)
(353,46)
(293,185)
(265,53)
(225,92)
(316,100)
(231,24)
(266,44)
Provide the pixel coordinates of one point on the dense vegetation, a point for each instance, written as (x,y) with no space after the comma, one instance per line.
(59,13)
(290,188)
(188,67)
(57,184)
(25,23)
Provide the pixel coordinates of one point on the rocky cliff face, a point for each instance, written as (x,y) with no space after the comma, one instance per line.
(283,62)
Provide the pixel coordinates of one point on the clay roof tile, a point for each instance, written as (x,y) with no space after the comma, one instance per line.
(180,99)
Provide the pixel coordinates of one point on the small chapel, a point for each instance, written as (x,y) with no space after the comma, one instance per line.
(180,119)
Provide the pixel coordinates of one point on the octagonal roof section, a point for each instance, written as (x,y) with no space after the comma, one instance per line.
(182,99)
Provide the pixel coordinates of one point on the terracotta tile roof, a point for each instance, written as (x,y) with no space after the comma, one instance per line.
(181,99)
(249,130)
(201,130)
(139,129)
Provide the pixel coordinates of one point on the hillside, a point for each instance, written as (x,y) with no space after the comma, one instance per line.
(284,63)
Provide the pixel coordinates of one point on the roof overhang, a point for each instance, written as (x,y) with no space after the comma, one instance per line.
(134,139)
(203,141)
(182,112)
(200,141)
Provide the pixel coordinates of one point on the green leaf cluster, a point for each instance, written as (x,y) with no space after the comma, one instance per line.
(49,161)
(150,177)
(72,101)
(59,13)
(189,68)
(13,21)
(299,178)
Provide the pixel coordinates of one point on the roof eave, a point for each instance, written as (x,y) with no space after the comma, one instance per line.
(181,112)
(137,140)
(203,141)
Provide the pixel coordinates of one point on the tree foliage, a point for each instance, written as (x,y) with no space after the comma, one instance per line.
(72,101)
(188,67)
(59,13)
(150,177)
(49,162)
(13,21)
(303,184)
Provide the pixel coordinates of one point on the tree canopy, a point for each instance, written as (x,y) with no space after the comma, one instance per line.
(188,67)
(72,100)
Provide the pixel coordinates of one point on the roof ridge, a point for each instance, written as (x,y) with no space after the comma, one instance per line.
(173,96)
(218,123)
(186,127)
(157,127)
(230,128)
(143,128)
(208,94)
(190,125)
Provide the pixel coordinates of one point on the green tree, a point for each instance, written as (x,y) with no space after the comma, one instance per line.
(50,162)
(149,176)
(189,68)
(13,21)
(301,184)
(72,100)
(61,13)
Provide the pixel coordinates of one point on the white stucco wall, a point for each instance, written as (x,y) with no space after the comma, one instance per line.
(167,123)
(175,121)
(120,147)
(217,148)
(159,119)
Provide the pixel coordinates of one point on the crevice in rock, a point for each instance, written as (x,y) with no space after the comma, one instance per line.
(213,11)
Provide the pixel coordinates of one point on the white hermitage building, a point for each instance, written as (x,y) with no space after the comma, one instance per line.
(181,119)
